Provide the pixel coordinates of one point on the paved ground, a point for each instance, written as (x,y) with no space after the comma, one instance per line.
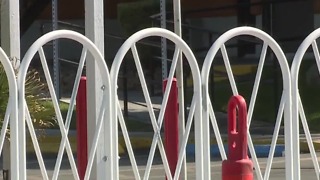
(277,172)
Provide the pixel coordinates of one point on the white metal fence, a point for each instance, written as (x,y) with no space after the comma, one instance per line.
(208,111)
(297,106)
(194,114)
(201,112)
(11,115)
(104,112)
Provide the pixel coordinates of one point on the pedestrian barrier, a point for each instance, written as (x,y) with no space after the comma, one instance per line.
(208,111)
(104,150)
(194,114)
(297,106)
(11,115)
(104,112)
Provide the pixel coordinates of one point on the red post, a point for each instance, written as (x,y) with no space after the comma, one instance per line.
(82,148)
(238,166)
(171,126)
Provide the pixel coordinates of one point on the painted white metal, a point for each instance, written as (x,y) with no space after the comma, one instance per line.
(70,110)
(10,42)
(285,102)
(94,30)
(109,107)
(11,116)
(179,75)
(157,123)
(10,30)
(297,108)
(104,107)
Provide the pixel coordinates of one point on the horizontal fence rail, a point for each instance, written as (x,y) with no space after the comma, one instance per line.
(201,115)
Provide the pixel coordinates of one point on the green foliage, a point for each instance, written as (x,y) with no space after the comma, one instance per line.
(135,16)
(33,90)
(4,93)
(64,110)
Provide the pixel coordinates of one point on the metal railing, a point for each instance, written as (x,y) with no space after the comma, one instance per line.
(201,112)
(208,111)
(298,112)
(64,127)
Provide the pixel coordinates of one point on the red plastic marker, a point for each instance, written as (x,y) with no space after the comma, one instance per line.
(238,166)
(171,129)
(82,147)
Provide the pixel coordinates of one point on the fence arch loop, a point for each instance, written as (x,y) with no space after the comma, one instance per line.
(310,40)
(105,109)
(297,107)
(285,103)
(182,47)
(251,31)
(160,33)
(11,116)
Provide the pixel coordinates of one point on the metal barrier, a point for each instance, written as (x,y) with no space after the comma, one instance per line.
(201,110)
(208,112)
(11,115)
(195,111)
(297,106)
(64,128)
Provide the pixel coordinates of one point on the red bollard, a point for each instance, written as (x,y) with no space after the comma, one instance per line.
(82,147)
(238,166)
(171,126)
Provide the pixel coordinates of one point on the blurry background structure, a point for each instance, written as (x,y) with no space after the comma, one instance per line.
(288,21)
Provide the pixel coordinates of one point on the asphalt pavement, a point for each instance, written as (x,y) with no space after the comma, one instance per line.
(157,172)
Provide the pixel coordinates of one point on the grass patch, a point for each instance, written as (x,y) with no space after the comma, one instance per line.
(309,97)
(50,144)
(132,124)
(138,126)
(49,112)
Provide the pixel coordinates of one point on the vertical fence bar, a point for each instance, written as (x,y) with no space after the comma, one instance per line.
(10,42)
(171,128)
(82,147)
(180,80)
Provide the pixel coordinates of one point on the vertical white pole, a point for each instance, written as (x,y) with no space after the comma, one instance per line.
(10,42)
(289,163)
(163,19)
(10,30)
(94,27)
(179,76)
